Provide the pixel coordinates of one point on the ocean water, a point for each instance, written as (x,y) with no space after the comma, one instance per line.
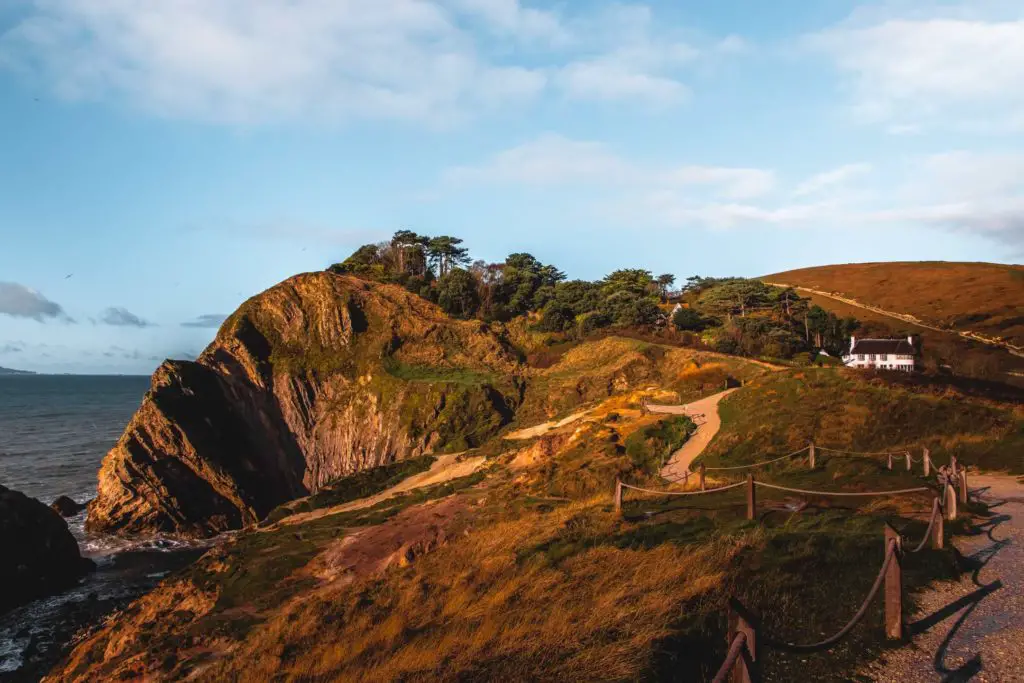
(54,432)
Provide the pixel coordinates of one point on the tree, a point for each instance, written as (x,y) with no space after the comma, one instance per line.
(408,248)
(457,293)
(664,282)
(634,281)
(445,253)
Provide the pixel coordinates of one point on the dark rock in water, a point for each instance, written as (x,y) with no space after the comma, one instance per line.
(66,507)
(40,555)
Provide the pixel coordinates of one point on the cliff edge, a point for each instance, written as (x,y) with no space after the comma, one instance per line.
(316,378)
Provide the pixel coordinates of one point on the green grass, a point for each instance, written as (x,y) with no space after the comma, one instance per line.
(850,411)
(430,374)
(651,446)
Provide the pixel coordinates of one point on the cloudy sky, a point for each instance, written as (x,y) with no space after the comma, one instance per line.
(162,160)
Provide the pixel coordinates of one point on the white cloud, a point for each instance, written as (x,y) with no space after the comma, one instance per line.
(509,17)
(19,301)
(255,61)
(954,191)
(829,179)
(945,68)
(556,160)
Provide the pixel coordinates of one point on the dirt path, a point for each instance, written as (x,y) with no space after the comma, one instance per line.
(907,318)
(972,629)
(445,468)
(544,428)
(679,464)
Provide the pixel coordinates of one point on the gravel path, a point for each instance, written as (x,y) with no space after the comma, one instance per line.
(972,629)
(679,464)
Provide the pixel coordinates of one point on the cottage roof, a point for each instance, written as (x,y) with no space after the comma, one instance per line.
(897,346)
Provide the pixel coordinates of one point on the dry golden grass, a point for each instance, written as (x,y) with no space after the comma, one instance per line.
(493,606)
(982,297)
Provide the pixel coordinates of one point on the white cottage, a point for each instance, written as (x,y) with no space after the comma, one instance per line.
(881,354)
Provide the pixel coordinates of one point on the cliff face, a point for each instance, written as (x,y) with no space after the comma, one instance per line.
(316,378)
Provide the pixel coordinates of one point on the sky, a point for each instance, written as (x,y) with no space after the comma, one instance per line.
(163,160)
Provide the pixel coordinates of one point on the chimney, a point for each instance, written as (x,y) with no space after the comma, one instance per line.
(853,342)
(910,340)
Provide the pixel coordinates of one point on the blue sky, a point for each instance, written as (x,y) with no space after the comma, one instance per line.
(163,160)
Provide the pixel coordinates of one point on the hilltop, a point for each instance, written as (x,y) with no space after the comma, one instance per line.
(982,298)
(970,316)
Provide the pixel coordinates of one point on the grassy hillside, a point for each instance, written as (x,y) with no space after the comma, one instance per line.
(985,298)
(523,571)
(852,411)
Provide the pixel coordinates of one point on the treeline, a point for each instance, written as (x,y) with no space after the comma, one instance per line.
(440,269)
(732,315)
(751,318)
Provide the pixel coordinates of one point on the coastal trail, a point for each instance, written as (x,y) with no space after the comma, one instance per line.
(679,464)
(445,468)
(972,629)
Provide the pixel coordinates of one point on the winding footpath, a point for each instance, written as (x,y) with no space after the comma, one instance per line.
(679,464)
(972,629)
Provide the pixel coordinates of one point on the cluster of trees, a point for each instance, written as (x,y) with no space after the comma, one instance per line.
(753,318)
(735,315)
(440,269)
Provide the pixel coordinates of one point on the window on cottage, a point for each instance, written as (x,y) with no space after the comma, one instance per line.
(871,356)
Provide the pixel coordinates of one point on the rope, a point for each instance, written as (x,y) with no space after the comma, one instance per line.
(684,493)
(757,464)
(735,650)
(841,493)
(834,450)
(793,647)
(936,511)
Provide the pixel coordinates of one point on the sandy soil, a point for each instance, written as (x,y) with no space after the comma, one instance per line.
(544,428)
(972,629)
(445,468)
(679,464)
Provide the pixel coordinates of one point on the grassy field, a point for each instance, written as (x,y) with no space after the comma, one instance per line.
(849,410)
(987,298)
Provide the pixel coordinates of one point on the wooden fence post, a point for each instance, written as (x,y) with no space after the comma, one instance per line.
(909,462)
(893,589)
(927,462)
(811,459)
(889,461)
(950,501)
(618,496)
(938,532)
(742,621)
(751,499)
(703,475)
(963,485)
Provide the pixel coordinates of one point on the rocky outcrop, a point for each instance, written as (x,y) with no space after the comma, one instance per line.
(66,506)
(40,555)
(316,378)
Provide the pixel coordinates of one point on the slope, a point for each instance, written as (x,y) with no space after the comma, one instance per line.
(985,300)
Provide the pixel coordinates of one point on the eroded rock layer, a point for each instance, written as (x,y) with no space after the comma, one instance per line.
(316,378)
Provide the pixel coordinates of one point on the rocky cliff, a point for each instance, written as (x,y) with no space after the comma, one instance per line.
(40,555)
(316,378)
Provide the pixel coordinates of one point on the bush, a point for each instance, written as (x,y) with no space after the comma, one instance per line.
(645,447)
(556,318)
(592,322)
(689,320)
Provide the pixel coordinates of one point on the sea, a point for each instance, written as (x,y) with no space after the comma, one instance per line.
(54,432)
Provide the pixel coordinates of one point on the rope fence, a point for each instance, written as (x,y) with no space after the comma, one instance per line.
(742,662)
(745,638)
